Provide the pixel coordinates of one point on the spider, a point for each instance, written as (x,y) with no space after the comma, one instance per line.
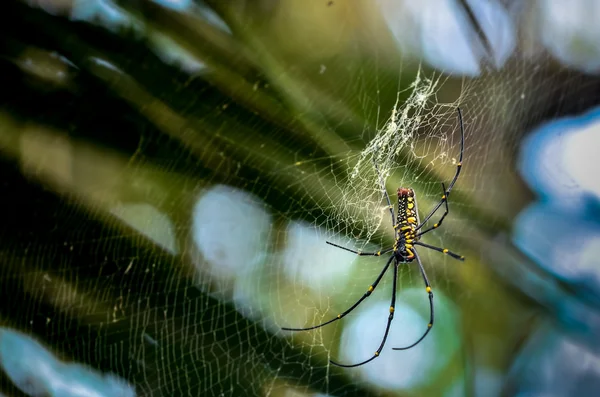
(407,233)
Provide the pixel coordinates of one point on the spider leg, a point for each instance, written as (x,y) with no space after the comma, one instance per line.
(439,223)
(387,328)
(387,196)
(442,250)
(378,253)
(430,293)
(342,315)
(458,168)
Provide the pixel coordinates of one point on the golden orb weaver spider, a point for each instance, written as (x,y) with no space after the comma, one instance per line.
(407,235)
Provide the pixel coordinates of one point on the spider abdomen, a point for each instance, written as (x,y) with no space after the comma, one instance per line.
(406,224)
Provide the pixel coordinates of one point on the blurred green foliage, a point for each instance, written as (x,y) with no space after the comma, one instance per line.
(279,108)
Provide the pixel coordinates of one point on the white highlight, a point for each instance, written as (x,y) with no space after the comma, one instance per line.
(580,157)
(440,32)
(105,63)
(554,365)
(570,31)
(560,160)
(499,28)
(103,12)
(35,371)
(152,223)
(400,369)
(230,228)
(178,5)
(309,261)
(535,233)
(172,53)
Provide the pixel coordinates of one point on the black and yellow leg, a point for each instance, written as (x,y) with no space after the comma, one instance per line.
(442,250)
(409,251)
(431,311)
(342,315)
(378,253)
(458,168)
(403,228)
(439,223)
(387,328)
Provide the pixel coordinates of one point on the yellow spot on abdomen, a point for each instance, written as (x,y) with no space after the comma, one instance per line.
(428,289)
(445,250)
(370,288)
(391,309)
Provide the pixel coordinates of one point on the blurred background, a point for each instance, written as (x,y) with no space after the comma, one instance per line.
(171,171)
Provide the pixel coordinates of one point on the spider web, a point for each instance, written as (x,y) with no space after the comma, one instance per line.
(362,196)
(418,139)
(180,217)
